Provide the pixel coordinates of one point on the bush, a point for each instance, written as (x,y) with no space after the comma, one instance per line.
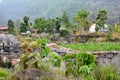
(64,33)
(39,31)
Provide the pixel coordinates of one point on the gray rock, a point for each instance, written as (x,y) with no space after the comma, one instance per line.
(103,56)
(116,61)
(109,56)
(11,43)
(103,61)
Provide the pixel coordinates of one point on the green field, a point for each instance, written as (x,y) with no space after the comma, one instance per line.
(94,46)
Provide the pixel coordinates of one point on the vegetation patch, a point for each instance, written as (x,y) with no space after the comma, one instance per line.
(108,46)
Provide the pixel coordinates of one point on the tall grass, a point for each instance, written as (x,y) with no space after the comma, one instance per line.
(104,73)
(108,46)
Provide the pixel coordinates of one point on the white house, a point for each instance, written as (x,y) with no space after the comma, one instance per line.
(92,28)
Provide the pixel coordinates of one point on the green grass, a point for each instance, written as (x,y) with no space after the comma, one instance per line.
(5,74)
(94,46)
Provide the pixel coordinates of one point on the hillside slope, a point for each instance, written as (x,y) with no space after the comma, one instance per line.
(16,9)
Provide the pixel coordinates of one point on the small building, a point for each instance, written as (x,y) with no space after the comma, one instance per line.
(4,28)
(92,28)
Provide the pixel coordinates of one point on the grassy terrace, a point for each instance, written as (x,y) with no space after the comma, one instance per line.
(94,46)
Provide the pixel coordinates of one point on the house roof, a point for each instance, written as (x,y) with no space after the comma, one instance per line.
(4,28)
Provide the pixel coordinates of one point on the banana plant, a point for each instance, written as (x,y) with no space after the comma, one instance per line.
(79,63)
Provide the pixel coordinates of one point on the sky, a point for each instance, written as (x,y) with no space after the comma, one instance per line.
(0,1)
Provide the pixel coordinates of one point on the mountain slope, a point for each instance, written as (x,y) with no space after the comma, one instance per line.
(16,9)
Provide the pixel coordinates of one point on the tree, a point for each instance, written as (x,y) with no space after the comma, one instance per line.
(23,27)
(58,24)
(10,25)
(100,19)
(47,25)
(65,19)
(26,21)
(82,19)
(40,24)
(50,26)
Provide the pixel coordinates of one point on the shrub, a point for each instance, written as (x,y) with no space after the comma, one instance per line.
(64,33)
(39,31)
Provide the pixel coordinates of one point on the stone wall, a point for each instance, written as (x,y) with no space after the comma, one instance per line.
(108,58)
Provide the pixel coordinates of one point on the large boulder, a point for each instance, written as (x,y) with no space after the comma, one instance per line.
(10,42)
(10,50)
